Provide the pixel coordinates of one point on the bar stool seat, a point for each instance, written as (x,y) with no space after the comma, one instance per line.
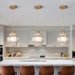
(7,70)
(67,70)
(46,70)
(27,70)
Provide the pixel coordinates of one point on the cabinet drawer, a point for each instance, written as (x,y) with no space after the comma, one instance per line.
(1,58)
(1,51)
(1,46)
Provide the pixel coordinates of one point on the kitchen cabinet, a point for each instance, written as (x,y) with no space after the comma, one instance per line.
(1,42)
(1,35)
(52,38)
(73,37)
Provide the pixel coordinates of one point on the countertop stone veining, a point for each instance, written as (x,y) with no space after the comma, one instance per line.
(38,62)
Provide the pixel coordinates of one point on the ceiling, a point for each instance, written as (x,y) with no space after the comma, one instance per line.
(26,15)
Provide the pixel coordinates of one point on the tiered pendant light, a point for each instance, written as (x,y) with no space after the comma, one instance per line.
(37,39)
(12,38)
(62,36)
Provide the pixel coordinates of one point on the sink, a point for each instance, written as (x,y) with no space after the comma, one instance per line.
(32,60)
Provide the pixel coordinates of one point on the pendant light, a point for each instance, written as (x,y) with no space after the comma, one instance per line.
(12,38)
(62,36)
(37,39)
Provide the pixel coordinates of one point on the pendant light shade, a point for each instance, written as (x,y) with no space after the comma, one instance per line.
(12,38)
(37,37)
(62,37)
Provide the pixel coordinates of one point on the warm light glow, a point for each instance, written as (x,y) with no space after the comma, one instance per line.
(37,39)
(12,38)
(62,37)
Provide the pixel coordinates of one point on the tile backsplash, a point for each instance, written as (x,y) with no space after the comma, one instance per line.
(36,52)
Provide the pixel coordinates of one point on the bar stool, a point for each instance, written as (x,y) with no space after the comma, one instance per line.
(67,70)
(46,70)
(27,70)
(7,70)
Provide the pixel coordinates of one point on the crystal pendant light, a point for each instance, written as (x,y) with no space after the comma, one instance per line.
(12,38)
(63,39)
(37,39)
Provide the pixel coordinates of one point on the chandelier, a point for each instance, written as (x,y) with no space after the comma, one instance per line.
(12,38)
(37,39)
(62,35)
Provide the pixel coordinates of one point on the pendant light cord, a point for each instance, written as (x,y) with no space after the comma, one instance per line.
(37,19)
(12,19)
(63,18)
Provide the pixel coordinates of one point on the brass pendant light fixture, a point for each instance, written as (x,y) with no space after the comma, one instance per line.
(62,36)
(37,39)
(12,38)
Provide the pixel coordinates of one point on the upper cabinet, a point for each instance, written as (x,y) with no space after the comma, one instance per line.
(1,35)
(73,37)
(25,35)
(53,33)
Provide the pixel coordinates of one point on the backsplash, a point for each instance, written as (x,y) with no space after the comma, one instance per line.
(36,52)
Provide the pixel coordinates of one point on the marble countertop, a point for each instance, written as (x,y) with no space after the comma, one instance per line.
(37,62)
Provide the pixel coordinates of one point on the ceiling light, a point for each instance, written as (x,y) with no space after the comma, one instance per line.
(12,38)
(37,39)
(62,36)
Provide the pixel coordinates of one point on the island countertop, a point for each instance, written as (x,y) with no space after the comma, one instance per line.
(37,62)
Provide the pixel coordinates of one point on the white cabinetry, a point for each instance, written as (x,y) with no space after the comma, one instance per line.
(51,38)
(1,35)
(73,38)
(1,42)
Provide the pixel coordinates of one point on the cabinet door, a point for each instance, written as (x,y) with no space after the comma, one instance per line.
(1,51)
(1,58)
(1,35)
(73,38)
(52,37)
(24,36)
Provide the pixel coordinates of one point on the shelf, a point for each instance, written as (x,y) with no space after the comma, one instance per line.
(35,58)
(33,44)
(14,57)
(56,46)
(17,46)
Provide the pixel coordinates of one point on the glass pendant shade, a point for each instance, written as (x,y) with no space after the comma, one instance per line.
(37,39)
(12,38)
(62,37)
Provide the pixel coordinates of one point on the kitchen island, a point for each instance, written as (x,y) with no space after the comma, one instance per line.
(37,62)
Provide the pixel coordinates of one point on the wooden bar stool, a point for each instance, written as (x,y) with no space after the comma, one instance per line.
(7,70)
(67,70)
(46,70)
(27,70)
